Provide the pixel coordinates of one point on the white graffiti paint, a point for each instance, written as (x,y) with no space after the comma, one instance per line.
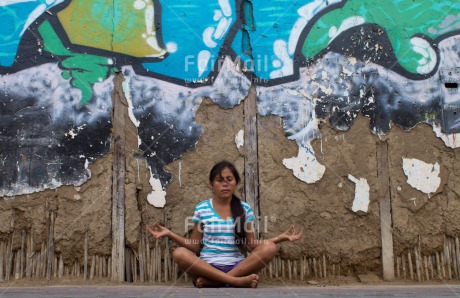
(305,166)
(127,92)
(424,48)
(150,34)
(239,139)
(345,25)
(361,201)
(451,140)
(157,197)
(422,176)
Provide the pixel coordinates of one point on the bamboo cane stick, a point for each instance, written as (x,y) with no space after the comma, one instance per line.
(22,255)
(430,264)
(417,265)
(93,267)
(2,253)
(61,266)
(398,261)
(438,265)
(425,262)
(403,261)
(55,266)
(295,270)
(324,266)
(128,265)
(302,272)
(134,265)
(43,260)
(17,264)
(447,258)
(30,250)
(333,270)
(454,256)
(101,266)
(457,254)
(443,265)
(109,267)
(141,258)
(289,269)
(314,268)
(282,269)
(409,259)
(152,265)
(320,268)
(147,254)
(85,252)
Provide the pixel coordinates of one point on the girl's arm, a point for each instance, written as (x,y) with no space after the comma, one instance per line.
(193,243)
(289,235)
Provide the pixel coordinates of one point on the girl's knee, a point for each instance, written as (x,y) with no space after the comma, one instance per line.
(180,253)
(269,249)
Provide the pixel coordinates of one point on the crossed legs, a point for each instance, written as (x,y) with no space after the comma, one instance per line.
(243,275)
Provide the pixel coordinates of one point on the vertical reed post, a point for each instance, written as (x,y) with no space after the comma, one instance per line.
(289,269)
(85,265)
(425,263)
(22,255)
(409,259)
(457,254)
(93,267)
(61,266)
(2,253)
(417,265)
(454,256)
(447,257)
(50,245)
(325,267)
(140,252)
(403,261)
(438,265)
(443,267)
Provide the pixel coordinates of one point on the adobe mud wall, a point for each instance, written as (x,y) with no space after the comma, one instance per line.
(332,82)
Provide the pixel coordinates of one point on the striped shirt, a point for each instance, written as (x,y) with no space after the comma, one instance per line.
(219,234)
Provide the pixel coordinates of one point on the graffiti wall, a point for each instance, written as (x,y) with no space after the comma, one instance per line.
(395,62)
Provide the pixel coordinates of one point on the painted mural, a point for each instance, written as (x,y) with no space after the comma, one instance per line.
(312,61)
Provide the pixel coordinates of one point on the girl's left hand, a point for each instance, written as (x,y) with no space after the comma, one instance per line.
(291,234)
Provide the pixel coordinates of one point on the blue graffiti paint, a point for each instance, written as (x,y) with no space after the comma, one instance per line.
(274,28)
(15,17)
(193,33)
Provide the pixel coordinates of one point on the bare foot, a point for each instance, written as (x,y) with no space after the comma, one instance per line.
(249,281)
(202,282)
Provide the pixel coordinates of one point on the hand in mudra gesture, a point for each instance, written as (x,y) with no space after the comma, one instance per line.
(290,234)
(157,230)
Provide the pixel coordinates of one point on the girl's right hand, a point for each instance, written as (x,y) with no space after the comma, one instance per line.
(157,230)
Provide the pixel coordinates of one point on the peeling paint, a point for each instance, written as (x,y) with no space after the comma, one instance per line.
(305,166)
(422,176)
(451,140)
(361,201)
(239,139)
(157,197)
(127,90)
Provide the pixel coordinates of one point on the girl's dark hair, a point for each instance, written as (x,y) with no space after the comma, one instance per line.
(238,213)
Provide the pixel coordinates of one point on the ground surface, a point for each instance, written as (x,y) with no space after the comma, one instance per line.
(383,290)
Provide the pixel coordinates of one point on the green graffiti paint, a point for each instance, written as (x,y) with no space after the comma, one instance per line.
(83,70)
(119,26)
(404,22)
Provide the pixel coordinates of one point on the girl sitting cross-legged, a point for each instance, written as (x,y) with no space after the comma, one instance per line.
(222,235)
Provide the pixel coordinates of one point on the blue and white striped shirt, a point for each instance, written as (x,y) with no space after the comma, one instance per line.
(219,234)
